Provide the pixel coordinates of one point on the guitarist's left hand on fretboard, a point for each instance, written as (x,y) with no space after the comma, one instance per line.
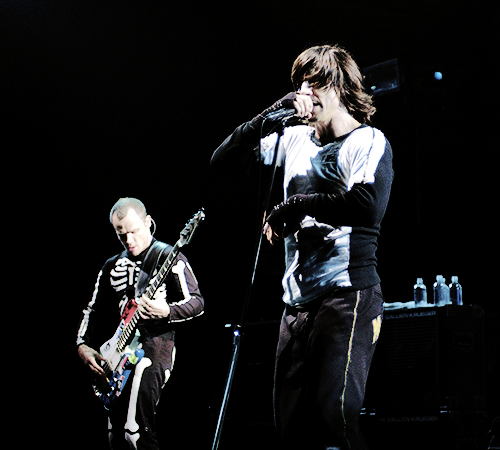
(153,309)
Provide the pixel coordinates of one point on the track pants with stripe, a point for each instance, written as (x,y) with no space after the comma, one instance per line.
(323,357)
(131,421)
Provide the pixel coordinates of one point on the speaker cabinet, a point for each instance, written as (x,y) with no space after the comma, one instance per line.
(417,430)
(426,386)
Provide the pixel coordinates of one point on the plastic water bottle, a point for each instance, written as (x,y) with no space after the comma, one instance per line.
(455,292)
(441,292)
(420,293)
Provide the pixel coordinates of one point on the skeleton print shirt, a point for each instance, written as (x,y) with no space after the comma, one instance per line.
(116,284)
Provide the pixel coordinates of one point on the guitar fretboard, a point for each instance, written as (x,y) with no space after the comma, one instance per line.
(163,272)
(150,291)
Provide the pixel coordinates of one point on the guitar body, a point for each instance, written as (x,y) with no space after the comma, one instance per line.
(119,363)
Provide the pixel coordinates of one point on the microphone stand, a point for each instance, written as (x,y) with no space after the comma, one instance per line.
(238,328)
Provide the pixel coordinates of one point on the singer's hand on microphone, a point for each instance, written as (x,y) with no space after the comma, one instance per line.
(303,102)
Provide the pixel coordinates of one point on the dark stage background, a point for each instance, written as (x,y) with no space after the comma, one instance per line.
(105,99)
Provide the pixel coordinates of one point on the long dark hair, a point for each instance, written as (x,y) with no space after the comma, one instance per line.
(330,66)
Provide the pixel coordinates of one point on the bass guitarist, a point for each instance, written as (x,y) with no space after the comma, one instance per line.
(132,413)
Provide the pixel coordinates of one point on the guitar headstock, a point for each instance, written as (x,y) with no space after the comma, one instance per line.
(190,228)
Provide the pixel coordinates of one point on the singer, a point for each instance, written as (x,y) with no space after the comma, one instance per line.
(337,179)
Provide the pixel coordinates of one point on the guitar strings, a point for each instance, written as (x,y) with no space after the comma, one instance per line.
(129,328)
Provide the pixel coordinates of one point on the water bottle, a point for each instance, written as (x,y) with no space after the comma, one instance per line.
(420,293)
(455,292)
(441,292)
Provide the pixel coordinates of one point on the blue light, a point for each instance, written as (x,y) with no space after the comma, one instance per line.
(438,75)
(236,333)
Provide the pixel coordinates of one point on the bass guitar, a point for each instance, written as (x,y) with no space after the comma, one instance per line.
(123,351)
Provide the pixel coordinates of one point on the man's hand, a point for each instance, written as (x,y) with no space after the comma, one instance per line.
(91,358)
(285,218)
(303,102)
(271,235)
(153,309)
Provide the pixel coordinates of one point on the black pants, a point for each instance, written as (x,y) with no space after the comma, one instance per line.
(131,421)
(324,354)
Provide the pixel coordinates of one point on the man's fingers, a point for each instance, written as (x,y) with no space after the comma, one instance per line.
(303,103)
(270,234)
(303,106)
(97,369)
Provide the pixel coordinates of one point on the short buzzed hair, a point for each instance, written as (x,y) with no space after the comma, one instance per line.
(122,206)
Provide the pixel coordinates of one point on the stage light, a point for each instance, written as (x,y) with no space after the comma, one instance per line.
(438,75)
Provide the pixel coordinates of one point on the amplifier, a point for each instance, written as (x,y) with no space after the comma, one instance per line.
(427,382)
(449,430)
(429,359)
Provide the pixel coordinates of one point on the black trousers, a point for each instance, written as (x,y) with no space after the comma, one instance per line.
(131,421)
(324,353)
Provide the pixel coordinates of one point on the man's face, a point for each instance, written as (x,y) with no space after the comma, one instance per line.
(133,232)
(325,104)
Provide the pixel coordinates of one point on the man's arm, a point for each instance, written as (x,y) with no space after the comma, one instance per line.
(184,297)
(85,335)
(238,150)
(363,205)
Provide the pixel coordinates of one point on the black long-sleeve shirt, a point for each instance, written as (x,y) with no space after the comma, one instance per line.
(349,180)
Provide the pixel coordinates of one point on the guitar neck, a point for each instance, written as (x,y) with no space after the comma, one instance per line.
(163,271)
(150,291)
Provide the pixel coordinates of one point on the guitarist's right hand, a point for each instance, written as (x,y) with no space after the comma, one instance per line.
(91,358)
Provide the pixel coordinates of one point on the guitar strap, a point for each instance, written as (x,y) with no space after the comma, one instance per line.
(148,266)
